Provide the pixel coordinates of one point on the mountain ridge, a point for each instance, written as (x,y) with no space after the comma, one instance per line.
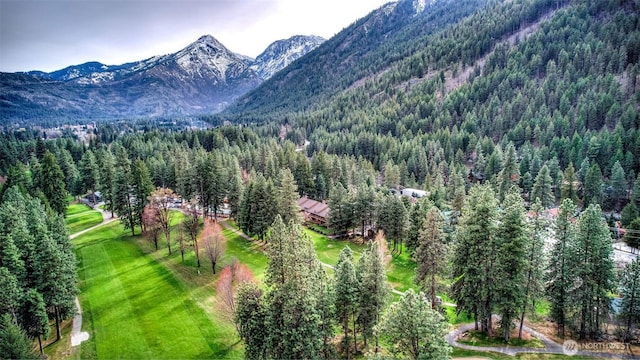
(203,77)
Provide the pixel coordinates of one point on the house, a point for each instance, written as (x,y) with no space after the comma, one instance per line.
(415,193)
(96,197)
(314,211)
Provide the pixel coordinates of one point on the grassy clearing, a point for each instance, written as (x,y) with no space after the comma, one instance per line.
(138,307)
(83,220)
(462,353)
(478,338)
(77,208)
(328,250)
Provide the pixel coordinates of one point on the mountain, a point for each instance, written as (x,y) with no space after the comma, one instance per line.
(365,48)
(281,53)
(204,77)
(87,69)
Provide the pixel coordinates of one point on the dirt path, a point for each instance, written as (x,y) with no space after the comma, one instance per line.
(77,335)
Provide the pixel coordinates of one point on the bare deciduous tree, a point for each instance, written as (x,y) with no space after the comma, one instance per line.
(150,224)
(192,223)
(213,242)
(227,287)
(160,200)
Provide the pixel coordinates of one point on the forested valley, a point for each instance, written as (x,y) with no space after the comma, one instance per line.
(518,120)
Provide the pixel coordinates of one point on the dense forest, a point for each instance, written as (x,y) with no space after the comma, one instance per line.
(519,119)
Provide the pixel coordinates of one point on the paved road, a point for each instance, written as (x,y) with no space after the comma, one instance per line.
(551,347)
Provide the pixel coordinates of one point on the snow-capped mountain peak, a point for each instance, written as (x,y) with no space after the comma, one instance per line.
(281,53)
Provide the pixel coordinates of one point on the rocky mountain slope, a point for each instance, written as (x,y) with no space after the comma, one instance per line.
(204,77)
(281,53)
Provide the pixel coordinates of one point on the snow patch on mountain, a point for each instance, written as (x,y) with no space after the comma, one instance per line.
(281,53)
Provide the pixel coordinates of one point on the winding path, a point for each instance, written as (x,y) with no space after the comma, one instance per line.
(77,335)
(551,347)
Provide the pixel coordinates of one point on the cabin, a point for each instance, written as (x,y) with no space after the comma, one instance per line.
(314,211)
(414,193)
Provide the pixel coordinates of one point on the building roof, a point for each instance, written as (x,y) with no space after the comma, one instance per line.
(313,207)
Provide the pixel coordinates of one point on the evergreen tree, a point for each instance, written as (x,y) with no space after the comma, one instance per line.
(512,236)
(635,194)
(287,198)
(618,185)
(89,173)
(510,173)
(107,178)
(303,176)
(341,214)
(592,263)
(50,180)
(412,327)
(293,319)
(245,210)
(70,171)
(9,294)
(534,263)
(122,191)
(630,292)
(430,254)
(141,187)
(628,214)
(262,204)
(364,207)
(393,218)
(33,317)
(459,193)
(250,320)
(417,216)
(631,236)
(559,269)
(346,295)
(235,188)
(66,290)
(14,342)
(373,289)
(593,186)
(542,188)
(475,258)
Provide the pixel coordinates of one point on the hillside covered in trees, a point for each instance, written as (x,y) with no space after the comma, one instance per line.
(519,119)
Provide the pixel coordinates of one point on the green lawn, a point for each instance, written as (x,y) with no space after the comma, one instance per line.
(80,217)
(136,307)
(247,252)
(462,353)
(77,208)
(328,250)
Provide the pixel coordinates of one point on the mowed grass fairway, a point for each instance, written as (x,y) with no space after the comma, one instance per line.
(135,308)
(80,217)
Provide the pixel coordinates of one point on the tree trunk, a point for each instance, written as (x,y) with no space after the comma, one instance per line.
(40,345)
(433,289)
(355,339)
(167,235)
(57,323)
(213,267)
(346,336)
(195,242)
(524,308)
(507,330)
(182,254)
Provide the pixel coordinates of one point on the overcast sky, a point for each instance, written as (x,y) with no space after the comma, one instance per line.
(52,34)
